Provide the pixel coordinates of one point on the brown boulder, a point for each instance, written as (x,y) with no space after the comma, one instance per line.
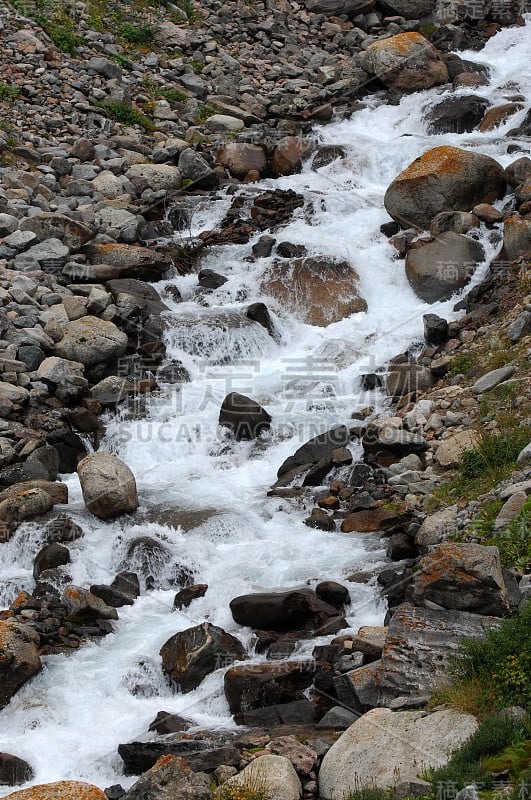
(191,655)
(317,289)
(61,790)
(240,158)
(407,62)
(375,519)
(108,485)
(443,179)
(253,686)
(516,238)
(58,226)
(495,116)
(440,268)
(19,658)
(21,506)
(125,261)
(289,154)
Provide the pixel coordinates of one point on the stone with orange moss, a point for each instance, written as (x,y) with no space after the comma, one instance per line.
(516,238)
(407,62)
(61,790)
(443,179)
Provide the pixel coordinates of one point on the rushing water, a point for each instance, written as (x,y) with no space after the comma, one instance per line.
(205,496)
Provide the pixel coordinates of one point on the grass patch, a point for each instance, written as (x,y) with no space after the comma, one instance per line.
(122,61)
(460,365)
(250,790)
(137,34)
(208,110)
(468,764)
(127,115)
(8,91)
(193,14)
(494,672)
(494,452)
(514,541)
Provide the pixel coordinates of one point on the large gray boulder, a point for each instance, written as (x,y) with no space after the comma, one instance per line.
(463,576)
(191,655)
(170,778)
(419,646)
(440,268)
(383,749)
(108,485)
(443,179)
(407,62)
(91,340)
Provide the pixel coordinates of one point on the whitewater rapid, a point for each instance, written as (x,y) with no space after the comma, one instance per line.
(203,495)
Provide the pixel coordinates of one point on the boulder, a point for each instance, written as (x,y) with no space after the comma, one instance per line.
(91,340)
(457,114)
(19,657)
(461,576)
(170,778)
(49,557)
(385,748)
(239,158)
(21,506)
(382,436)
(200,753)
(245,417)
(453,221)
(411,9)
(191,655)
(318,290)
(289,153)
(496,116)
(282,611)
(57,491)
(443,179)
(435,329)
(358,690)
(82,603)
(254,686)
(123,591)
(436,528)
(450,450)
(492,379)
(407,62)
(272,775)
(58,226)
(194,168)
(61,790)
(14,770)
(108,486)
(370,640)
(154,176)
(419,647)
(440,268)
(317,450)
(516,238)
(113,261)
(373,519)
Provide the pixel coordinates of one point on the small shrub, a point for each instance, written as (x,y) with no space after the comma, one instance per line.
(460,365)
(137,34)
(193,14)
(514,541)
(466,766)
(127,115)
(8,91)
(493,452)
(246,791)
(122,61)
(173,96)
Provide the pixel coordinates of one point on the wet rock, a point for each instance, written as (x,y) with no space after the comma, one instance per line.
(153,563)
(316,450)
(407,62)
(383,748)
(188,594)
(191,655)
(50,557)
(201,753)
(271,774)
(22,506)
(457,114)
(255,686)
(282,611)
(338,718)
(418,649)
(468,577)
(82,603)
(240,158)
(19,658)
(209,279)
(57,491)
(61,790)
(297,712)
(258,312)
(168,779)
(123,591)
(165,722)
(70,448)
(289,154)
(435,329)
(497,116)
(453,222)
(14,770)
(108,486)
(318,290)
(377,519)
(333,593)
(440,268)
(245,417)
(90,340)
(320,520)
(443,179)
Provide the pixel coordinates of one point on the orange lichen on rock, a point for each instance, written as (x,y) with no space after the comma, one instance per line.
(402,42)
(62,790)
(440,159)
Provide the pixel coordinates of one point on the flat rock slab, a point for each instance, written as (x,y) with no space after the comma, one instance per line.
(492,379)
(385,748)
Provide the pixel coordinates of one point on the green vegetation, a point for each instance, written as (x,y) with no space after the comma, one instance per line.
(208,110)
(494,672)
(245,791)
(494,452)
(173,95)
(137,34)
(122,61)
(8,91)
(469,764)
(193,15)
(127,115)
(460,365)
